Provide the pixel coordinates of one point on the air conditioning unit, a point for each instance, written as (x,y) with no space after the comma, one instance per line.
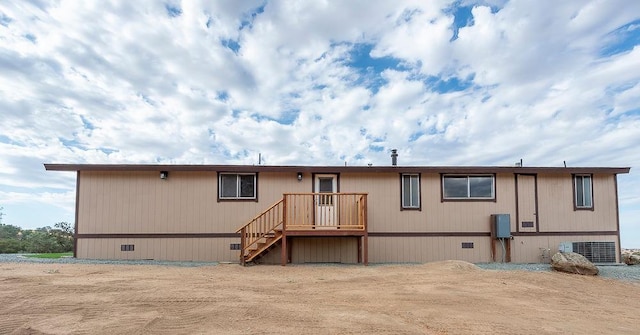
(595,252)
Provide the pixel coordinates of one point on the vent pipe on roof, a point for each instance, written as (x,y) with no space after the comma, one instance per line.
(394,157)
(519,164)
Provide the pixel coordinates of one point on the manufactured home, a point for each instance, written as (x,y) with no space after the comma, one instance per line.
(344,214)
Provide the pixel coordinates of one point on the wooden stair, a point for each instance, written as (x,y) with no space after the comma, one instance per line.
(261,248)
(296,214)
(259,235)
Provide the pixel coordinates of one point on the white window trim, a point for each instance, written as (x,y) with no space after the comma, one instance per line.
(402,202)
(575,191)
(237,197)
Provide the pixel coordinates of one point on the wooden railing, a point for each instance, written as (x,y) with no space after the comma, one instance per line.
(306,211)
(312,212)
(262,226)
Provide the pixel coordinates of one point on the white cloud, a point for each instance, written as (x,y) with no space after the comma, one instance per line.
(124,81)
(421,35)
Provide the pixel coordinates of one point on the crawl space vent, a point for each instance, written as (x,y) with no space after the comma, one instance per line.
(527,224)
(127,247)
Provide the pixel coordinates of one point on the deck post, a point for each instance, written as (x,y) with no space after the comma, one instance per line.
(283,251)
(242,244)
(289,248)
(365,237)
(365,247)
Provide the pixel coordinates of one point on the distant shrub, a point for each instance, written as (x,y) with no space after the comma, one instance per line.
(11,246)
(42,240)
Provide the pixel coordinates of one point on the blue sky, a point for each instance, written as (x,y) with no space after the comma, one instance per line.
(314,83)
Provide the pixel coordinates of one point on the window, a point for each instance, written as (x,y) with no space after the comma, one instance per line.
(237,186)
(411,191)
(583,191)
(468,187)
(325,185)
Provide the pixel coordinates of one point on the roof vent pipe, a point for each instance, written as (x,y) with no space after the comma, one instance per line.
(394,157)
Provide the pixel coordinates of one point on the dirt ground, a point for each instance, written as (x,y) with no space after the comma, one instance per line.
(437,298)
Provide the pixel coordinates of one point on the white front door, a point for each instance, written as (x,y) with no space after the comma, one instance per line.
(326,185)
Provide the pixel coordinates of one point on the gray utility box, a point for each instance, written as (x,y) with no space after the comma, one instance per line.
(566,247)
(502,225)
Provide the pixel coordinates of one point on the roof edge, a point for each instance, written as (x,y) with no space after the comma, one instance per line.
(336,169)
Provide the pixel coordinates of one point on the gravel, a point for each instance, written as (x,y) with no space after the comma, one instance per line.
(22,258)
(615,271)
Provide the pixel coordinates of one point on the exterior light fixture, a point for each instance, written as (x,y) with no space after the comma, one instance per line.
(164,174)
(299,176)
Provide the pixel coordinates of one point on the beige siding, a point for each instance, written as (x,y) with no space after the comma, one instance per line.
(427,249)
(555,204)
(436,216)
(171,249)
(317,250)
(526,202)
(528,249)
(524,249)
(186,203)
(140,202)
(325,250)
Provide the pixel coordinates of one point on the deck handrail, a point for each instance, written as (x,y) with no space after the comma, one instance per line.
(335,193)
(259,215)
(325,211)
(260,227)
(304,214)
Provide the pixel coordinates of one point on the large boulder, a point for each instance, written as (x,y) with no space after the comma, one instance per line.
(631,258)
(572,262)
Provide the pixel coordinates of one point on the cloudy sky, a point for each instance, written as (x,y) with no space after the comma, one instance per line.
(314,83)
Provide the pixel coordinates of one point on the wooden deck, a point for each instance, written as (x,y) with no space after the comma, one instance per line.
(306,214)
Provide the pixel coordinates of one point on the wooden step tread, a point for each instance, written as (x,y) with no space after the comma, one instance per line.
(261,248)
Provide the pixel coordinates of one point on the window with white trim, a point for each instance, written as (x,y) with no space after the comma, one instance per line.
(460,187)
(583,191)
(237,186)
(411,191)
